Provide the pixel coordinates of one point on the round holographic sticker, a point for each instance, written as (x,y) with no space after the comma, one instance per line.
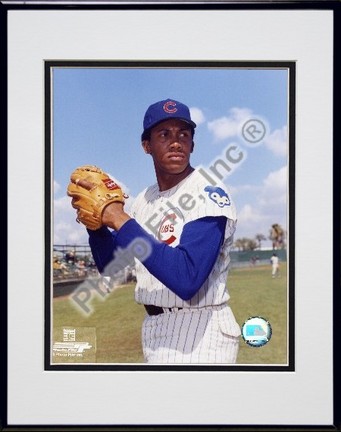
(256,331)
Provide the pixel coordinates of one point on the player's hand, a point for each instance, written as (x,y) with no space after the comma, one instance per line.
(114,216)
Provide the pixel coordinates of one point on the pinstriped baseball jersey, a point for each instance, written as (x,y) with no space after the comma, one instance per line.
(164,214)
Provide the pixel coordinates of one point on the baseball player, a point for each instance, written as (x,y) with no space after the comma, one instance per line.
(187,225)
(274,265)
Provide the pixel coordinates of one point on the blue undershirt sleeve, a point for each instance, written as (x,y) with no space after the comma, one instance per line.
(184,268)
(102,245)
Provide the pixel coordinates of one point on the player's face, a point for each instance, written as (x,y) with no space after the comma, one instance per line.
(170,145)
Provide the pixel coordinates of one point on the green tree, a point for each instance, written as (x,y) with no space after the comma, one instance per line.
(251,244)
(260,238)
(238,244)
(277,236)
(245,244)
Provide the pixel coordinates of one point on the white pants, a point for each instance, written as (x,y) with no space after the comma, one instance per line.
(206,335)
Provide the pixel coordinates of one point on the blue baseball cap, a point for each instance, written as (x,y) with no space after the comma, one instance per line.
(165,110)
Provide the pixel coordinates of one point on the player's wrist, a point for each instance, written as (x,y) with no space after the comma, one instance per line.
(114,216)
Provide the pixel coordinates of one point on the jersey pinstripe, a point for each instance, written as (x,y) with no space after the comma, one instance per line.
(164,214)
(191,336)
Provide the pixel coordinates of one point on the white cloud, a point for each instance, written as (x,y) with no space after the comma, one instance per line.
(229,126)
(232,125)
(197,115)
(66,230)
(71,233)
(266,204)
(56,187)
(241,190)
(275,188)
(252,221)
(277,142)
(277,179)
(249,214)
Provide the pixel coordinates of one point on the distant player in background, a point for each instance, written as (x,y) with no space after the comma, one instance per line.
(188,225)
(274,265)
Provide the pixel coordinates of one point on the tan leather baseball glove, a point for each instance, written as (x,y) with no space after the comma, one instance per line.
(92,190)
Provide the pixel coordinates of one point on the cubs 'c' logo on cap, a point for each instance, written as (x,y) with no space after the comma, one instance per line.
(170,107)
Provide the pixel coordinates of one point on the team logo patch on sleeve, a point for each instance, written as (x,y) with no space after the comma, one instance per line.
(218,196)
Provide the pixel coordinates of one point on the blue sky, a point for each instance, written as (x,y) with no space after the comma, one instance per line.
(97,116)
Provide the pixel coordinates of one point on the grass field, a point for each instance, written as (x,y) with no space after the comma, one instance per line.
(117,318)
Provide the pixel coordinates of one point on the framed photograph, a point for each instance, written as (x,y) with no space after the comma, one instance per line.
(84,90)
(232,134)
